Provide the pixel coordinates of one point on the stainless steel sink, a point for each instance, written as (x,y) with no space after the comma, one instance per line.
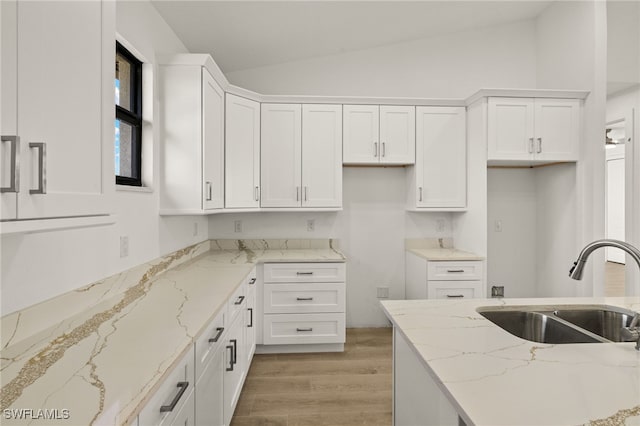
(561,324)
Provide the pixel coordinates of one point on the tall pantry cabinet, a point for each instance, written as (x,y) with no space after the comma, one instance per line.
(57,106)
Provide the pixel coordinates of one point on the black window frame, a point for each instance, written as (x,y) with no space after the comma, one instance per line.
(132,118)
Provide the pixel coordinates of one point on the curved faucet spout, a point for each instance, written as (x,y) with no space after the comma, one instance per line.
(578,266)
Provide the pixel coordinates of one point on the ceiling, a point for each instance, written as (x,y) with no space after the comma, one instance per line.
(249,34)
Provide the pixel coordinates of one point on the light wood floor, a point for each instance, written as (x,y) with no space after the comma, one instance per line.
(321,389)
(614,279)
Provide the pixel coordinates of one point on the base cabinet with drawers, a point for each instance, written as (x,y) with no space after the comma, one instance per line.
(303,304)
(443,279)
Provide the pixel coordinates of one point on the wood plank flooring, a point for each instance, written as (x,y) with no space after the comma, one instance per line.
(353,387)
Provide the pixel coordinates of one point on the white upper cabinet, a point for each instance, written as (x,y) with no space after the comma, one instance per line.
(439,178)
(281,155)
(242,153)
(192,154)
(57,109)
(534,130)
(379,134)
(301,150)
(322,156)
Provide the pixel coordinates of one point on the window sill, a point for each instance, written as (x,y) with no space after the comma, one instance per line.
(127,188)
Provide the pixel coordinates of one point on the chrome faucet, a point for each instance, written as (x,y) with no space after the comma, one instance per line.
(633,331)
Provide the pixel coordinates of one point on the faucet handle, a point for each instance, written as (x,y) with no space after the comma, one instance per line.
(632,333)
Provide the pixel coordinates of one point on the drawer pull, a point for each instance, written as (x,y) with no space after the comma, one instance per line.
(239,301)
(235,350)
(455,296)
(251,317)
(455,270)
(230,367)
(304,273)
(215,338)
(304,298)
(252,281)
(168,408)
(304,329)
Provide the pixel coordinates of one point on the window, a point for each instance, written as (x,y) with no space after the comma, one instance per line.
(128,123)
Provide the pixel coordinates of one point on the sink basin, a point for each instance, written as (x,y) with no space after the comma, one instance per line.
(560,324)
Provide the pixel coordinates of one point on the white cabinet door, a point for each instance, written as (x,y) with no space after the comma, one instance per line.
(281,155)
(397,134)
(213,142)
(210,392)
(321,156)
(361,127)
(441,165)
(250,325)
(186,414)
(242,153)
(557,129)
(510,129)
(64,74)
(235,367)
(9,147)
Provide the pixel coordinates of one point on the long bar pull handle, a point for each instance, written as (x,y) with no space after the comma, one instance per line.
(455,296)
(297,193)
(256,193)
(304,329)
(530,145)
(215,338)
(455,270)
(230,367)
(304,298)
(42,167)
(252,281)
(14,184)
(375,149)
(209,191)
(539,145)
(250,317)
(304,273)
(168,408)
(235,350)
(306,193)
(239,301)
(384,149)
(420,190)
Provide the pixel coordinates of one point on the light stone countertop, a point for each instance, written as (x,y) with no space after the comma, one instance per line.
(492,377)
(105,362)
(446,254)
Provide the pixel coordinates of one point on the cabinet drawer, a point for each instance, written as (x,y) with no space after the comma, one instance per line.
(303,298)
(304,328)
(209,342)
(179,383)
(304,272)
(448,270)
(454,290)
(236,302)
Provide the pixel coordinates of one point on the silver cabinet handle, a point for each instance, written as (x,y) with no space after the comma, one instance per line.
(539,145)
(304,298)
(455,270)
(251,317)
(375,149)
(168,408)
(455,296)
(297,193)
(14,185)
(215,338)
(256,193)
(306,193)
(384,150)
(239,301)
(209,195)
(304,273)
(420,190)
(304,329)
(530,145)
(42,167)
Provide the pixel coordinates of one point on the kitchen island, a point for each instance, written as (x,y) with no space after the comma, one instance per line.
(468,369)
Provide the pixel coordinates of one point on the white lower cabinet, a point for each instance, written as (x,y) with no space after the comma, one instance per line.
(443,279)
(302,304)
(234,367)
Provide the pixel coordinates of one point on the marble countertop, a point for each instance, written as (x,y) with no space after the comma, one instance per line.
(446,254)
(495,378)
(103,363)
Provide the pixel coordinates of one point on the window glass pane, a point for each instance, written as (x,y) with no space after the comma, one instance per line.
(124,149)
(123,82)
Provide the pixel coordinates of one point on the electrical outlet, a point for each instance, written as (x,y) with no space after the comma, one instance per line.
(498,226)
(124,246)
(237,226)
(382,292)
(195,229)
(440,225)
(497,291)
(311,225)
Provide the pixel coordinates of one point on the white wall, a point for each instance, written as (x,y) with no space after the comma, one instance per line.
(449,66)
(623,44)
(36,267)
(571,54)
